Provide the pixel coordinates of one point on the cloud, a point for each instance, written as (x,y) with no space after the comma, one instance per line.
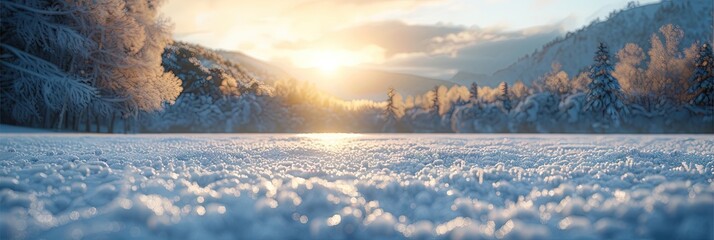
(434,50)
(370,33)
(393,36)
(481,55)
(230,24)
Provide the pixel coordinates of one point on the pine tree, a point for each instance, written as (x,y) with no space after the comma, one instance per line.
(391,110)
(505,97)
(435,100)
(603,94)
(473,92)
(703,78)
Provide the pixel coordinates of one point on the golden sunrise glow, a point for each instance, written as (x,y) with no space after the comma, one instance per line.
(426,38)
(327,66)
(327,61)
(331,141)
(330,60)
(330,136)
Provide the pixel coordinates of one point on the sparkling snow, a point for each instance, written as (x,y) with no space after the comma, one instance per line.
(337,186)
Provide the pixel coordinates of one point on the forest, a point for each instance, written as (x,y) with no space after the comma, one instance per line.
(113,67)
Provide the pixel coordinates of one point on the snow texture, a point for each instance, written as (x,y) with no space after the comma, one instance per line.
(345,186)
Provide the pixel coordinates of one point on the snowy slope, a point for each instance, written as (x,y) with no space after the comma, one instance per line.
(635,25)
(356,187)
(203,71)
(261,70)
(465,78)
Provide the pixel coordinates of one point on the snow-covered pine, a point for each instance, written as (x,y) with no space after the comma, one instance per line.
(390,112)
(82,61)
(473,92)
(392,109)
(703,78)
(435,101)
(603,94)
(42,49)
(505,97)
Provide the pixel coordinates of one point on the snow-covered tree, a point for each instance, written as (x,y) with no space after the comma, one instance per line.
(473,92)
(703,78)
(82,59)
(603,95)
(519,91)
(570,109)
(580,82)
(505,97)
(491,119)
(132,37)
(557,81)
(536,113)
(436,101)
(669,67)
(42,52)
(630,73)
(392,110)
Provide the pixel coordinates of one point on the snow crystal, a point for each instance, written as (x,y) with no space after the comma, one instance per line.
(60,186)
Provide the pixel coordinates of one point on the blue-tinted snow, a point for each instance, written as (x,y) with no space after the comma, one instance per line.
(57,186)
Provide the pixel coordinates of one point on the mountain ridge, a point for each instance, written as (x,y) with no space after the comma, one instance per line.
(634,24)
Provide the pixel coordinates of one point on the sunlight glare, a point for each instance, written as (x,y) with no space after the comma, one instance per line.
(331,140)
(327,66)
(327,62)
(330,136)
(331,60)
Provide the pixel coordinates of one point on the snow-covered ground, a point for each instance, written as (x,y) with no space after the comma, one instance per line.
(336,186)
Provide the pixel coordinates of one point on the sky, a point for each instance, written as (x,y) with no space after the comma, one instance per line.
(433,38)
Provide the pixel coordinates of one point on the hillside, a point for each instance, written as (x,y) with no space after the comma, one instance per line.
(465,78)
(258,69)
(204,72)
(636,24)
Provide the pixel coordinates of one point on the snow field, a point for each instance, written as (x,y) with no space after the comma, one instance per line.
(343,186)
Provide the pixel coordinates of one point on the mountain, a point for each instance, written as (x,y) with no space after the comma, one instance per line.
(347,83)
(635,24)
(465,78)
(258,69)
(358,83)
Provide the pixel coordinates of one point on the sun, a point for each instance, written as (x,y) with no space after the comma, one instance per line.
(327,61)
(327,66)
